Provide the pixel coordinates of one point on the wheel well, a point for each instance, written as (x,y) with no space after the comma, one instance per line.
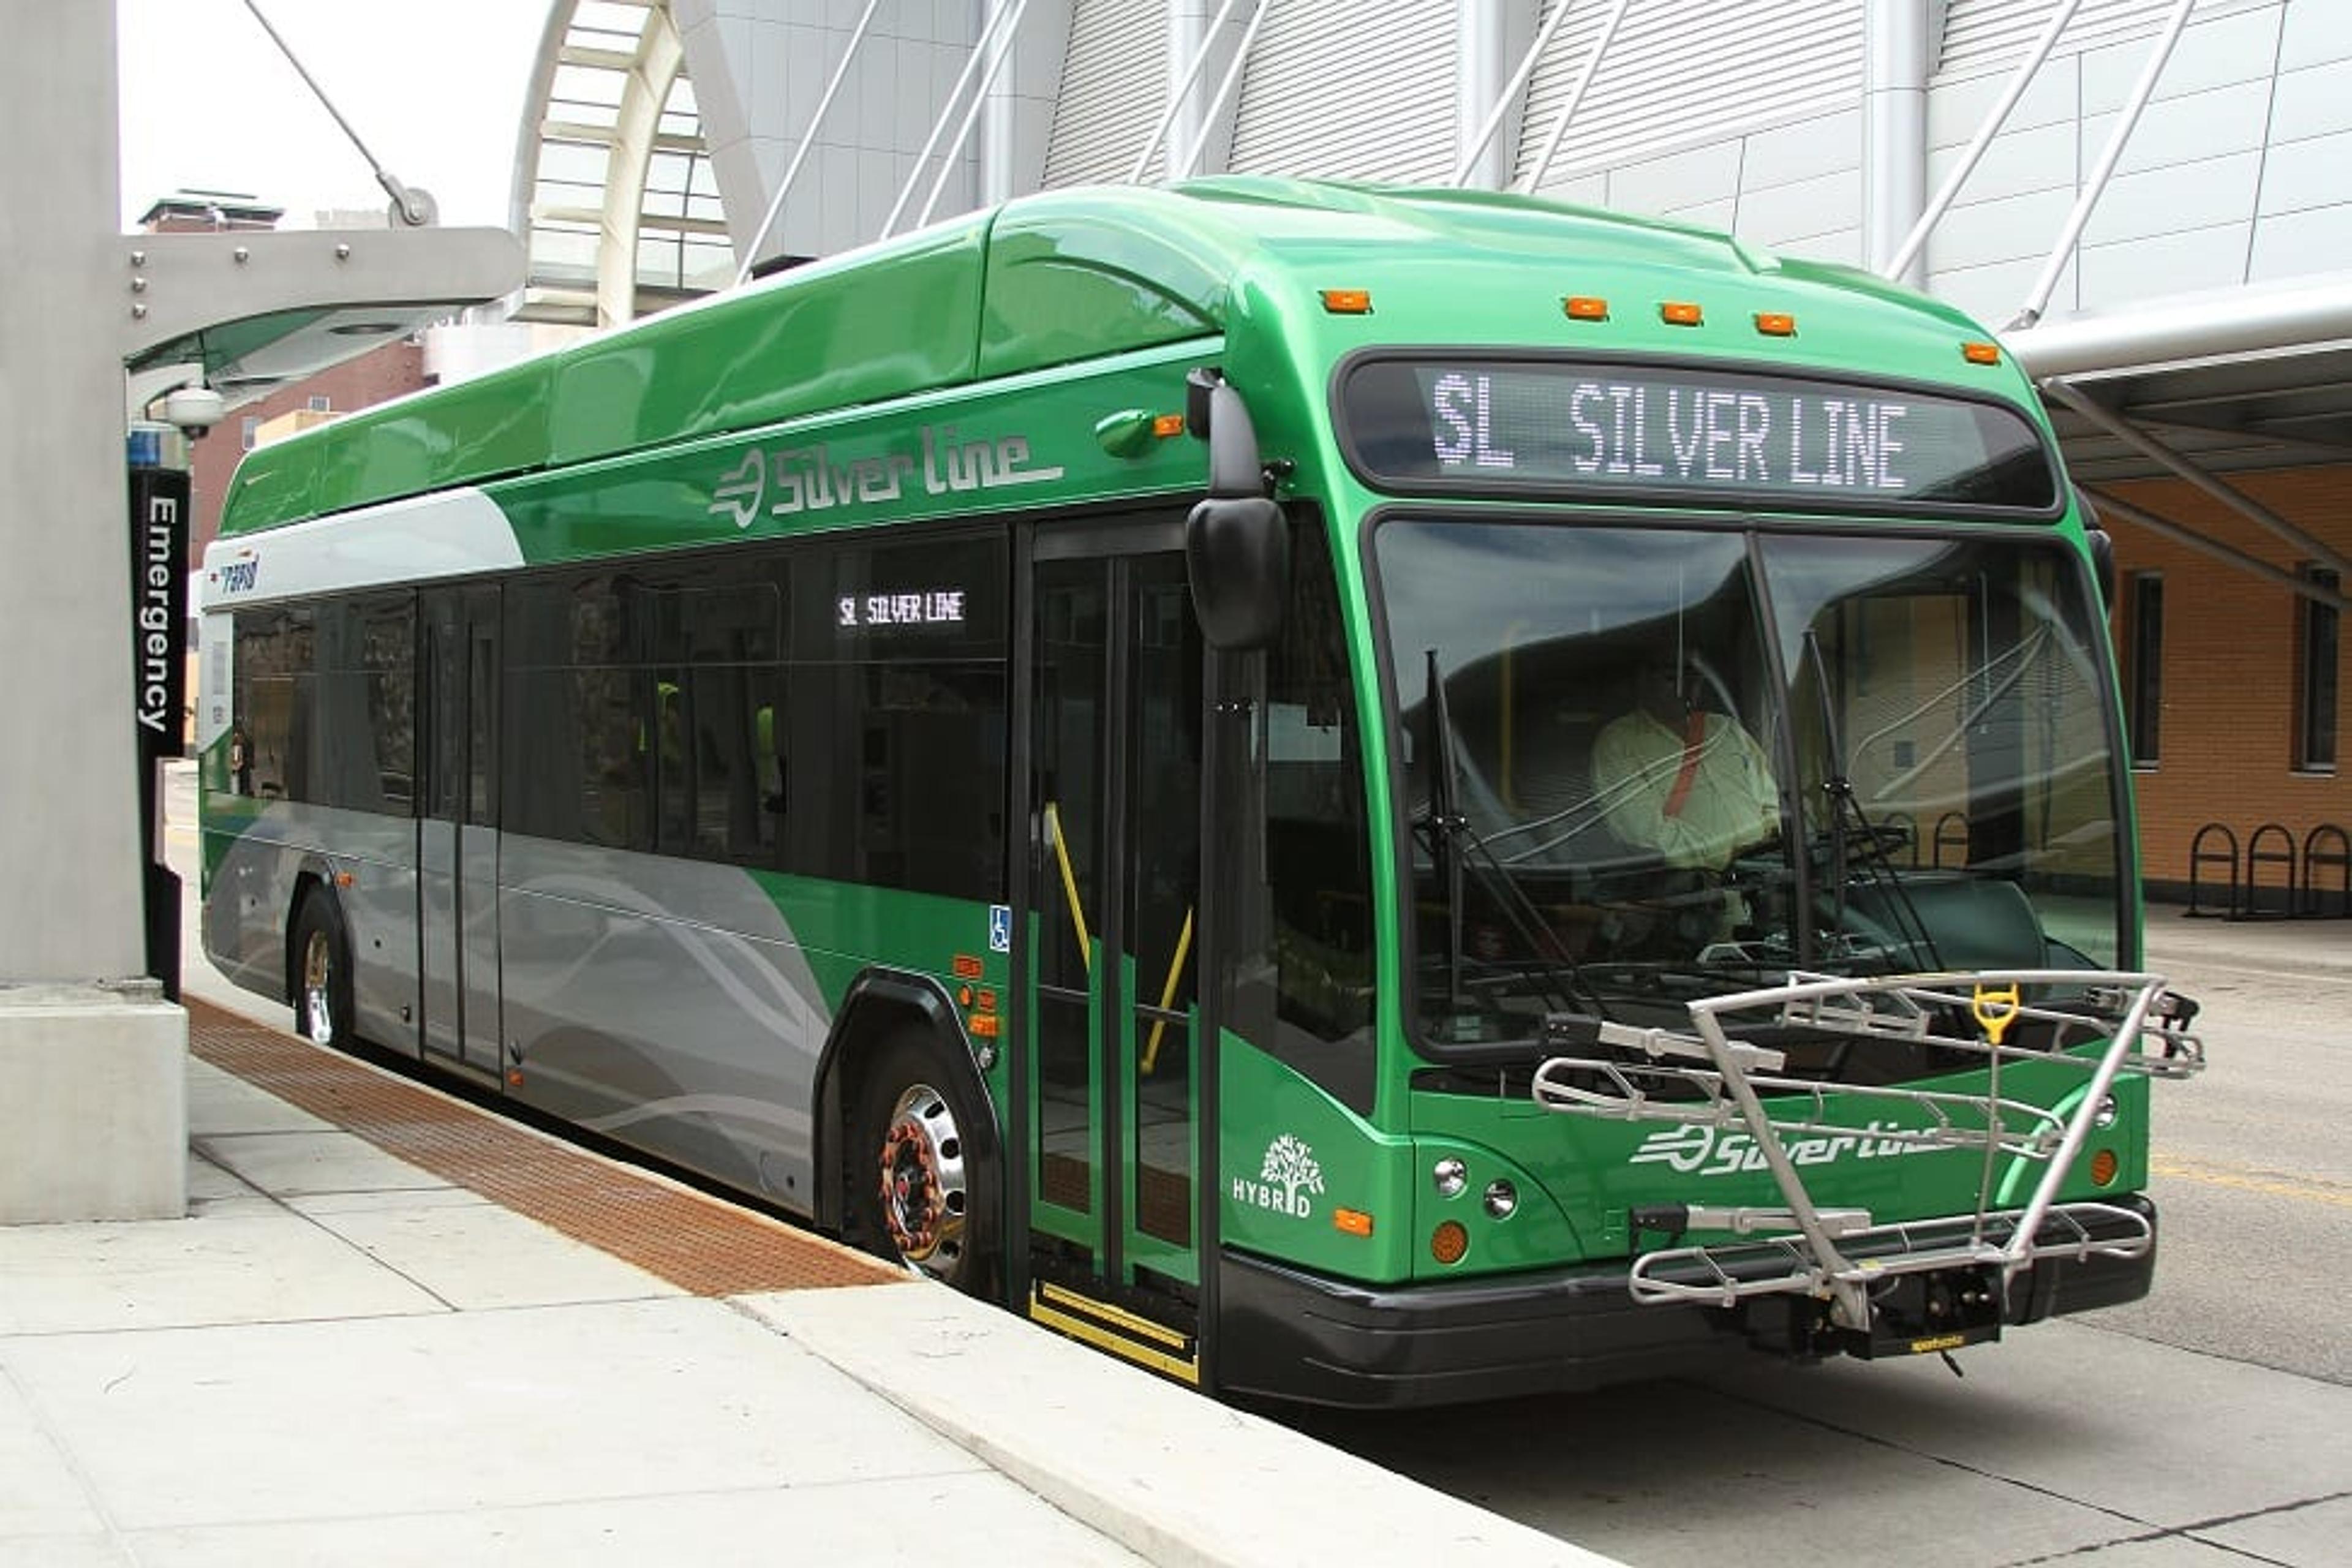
(307,884)
(880,1006)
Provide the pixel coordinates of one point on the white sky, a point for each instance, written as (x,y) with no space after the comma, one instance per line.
(433,87)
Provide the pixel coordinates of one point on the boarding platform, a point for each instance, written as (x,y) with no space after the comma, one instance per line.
(396,1327)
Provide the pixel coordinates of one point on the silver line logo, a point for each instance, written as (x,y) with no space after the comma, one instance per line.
(1700,1149)
(789,480)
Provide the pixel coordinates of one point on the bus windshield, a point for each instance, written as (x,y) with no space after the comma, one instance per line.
(1665,761)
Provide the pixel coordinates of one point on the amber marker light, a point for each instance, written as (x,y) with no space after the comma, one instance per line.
(2104,1166)
(1348,301)
(1167,425)
(1354,1222)
(1681,313)
(1585,307)
(1449,1242)
(1776,323)
(1980,353)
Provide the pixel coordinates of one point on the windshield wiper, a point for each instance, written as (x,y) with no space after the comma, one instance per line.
(1845,804)
(1452,845)
(1447,826)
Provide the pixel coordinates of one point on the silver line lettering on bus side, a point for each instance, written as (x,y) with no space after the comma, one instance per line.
(1701,1151)
(811,479)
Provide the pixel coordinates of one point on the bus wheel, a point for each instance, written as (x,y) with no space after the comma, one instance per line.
(918,1187)
(323,973)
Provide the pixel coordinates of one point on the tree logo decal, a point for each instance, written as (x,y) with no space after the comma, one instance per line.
(1287,1180)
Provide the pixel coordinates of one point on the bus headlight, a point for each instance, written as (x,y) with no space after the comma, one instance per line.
(1501,1198)
(1450,1177)
(2105,1116)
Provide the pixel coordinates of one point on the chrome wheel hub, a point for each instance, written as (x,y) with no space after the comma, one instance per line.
(318,988)
(923,1191)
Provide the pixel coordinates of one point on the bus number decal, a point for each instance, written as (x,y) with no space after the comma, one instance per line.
(237,576)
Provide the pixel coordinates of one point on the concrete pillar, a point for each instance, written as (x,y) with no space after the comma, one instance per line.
(93,1122)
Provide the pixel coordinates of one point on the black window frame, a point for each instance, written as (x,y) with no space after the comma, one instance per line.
(2318,666)
(2143,665)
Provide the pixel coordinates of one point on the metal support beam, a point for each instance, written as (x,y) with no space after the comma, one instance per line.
(1900,264)
(661,56)
(2237,500)
(1181,168)
(177,286)
(808,142)
(1533,181)
(2038,299)
(2238,324)
(2229,555)
(983,53)
(1473,155)
(1180,91)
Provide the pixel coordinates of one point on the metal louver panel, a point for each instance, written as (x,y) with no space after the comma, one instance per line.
(1986,34)
(1114,86)
(1678,76)
(1358,91)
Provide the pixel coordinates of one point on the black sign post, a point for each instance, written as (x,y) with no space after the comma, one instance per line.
(158,667)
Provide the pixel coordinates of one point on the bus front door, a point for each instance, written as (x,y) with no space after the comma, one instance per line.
(1110,903)
(457,882)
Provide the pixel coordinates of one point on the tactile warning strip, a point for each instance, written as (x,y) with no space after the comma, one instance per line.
(697,1243)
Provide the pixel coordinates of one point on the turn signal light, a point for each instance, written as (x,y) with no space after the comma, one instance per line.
(2104,1166)
(1167,425)
(1980,353)
(1348,301)
(1354,1222)
(1681,313)
(1449,1242)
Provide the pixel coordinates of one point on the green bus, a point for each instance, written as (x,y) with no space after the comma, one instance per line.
(1360,795)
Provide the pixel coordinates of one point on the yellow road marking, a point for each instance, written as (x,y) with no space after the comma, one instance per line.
(2246,1180)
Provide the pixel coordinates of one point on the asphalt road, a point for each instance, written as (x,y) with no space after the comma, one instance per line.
(2208,1426)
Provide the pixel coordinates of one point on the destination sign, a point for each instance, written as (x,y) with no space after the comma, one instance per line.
(1569,426)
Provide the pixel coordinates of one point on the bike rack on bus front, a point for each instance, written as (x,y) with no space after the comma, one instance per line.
(1839,1254)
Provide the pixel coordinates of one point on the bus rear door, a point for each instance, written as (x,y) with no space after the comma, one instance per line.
(458,860)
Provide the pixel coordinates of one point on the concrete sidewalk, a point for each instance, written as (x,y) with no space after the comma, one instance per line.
(2296,946)
(343,1356)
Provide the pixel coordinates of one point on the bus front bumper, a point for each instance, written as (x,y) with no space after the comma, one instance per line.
(1288,1334)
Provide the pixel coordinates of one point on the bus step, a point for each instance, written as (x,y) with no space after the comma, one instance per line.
(1167,1351)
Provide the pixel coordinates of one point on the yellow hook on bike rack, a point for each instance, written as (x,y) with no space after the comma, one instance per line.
(1996,1009)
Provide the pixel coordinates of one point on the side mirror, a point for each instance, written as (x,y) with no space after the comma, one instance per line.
(1237,542)
(2103,547)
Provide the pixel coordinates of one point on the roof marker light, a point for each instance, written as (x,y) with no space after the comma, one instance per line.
(1980,353)
(1348,301)
(1776,323)
(1585,307)
(1681,313)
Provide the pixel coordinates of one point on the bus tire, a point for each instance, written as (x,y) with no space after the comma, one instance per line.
(319,969)
(920,1191)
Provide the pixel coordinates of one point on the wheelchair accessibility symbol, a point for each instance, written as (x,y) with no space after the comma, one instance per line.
(1000,928)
